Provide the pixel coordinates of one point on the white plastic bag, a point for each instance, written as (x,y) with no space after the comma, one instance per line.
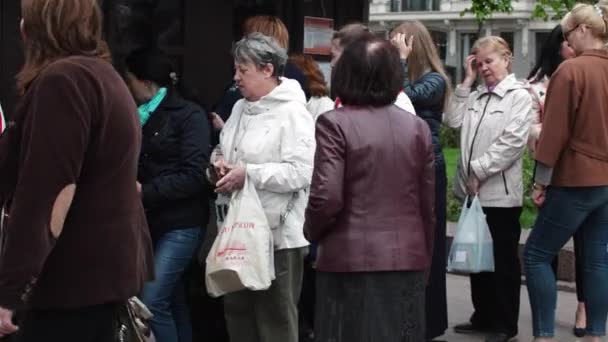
(472,249)
(242,255)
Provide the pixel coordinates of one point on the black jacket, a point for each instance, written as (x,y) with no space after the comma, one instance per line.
(174,154)
(428,95)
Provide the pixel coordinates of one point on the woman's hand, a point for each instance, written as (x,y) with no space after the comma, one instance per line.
(234,180)
(404,46)
(539,195)
(6,323)
(473,185)
(471,71)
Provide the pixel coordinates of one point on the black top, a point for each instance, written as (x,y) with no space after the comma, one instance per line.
(174,154)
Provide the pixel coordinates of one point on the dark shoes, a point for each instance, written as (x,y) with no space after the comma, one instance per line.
(470,328)
(499,337)
(579,332)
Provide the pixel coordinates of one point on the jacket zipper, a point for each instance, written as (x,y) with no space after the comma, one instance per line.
(504,179)
(475,135)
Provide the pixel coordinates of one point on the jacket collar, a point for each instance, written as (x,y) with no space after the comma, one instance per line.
(286,91)
(596,53)
(502,88)
(173,101)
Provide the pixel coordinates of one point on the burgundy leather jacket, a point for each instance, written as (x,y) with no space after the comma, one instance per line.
(372,196)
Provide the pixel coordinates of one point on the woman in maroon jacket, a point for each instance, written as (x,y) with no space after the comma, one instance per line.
(371,205)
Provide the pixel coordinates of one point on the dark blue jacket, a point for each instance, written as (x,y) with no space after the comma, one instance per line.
(428,96)
(174,154)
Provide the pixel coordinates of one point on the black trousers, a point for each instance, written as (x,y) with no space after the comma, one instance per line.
(90,324)
(496,294)
(370,307)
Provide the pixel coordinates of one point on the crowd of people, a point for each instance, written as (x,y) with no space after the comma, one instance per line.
(108,176)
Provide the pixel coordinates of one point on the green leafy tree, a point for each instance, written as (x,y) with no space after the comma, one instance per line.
(554,9)
(483,9)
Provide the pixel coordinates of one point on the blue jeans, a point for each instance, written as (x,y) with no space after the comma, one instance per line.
(566,211)
(166,295)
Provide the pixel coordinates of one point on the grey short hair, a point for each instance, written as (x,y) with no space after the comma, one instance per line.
(261,50)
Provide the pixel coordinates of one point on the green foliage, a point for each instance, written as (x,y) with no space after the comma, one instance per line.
(555,9)
(543,9)
(528,215)
(449,137)
(451,159)
(483,9)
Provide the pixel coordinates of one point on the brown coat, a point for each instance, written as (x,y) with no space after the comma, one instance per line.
(574,139)
(77,124)
(372,197)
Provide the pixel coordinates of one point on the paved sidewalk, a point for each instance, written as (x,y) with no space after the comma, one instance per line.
(460,309)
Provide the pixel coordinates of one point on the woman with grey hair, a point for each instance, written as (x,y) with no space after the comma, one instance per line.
(269,139)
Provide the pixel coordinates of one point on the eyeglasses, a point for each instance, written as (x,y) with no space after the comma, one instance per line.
(567,34)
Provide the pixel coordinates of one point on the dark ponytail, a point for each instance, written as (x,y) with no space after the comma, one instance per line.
(550,57)
(152,64)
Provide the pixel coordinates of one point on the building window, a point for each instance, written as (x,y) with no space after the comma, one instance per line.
(508,37)
(395,5)
(420,5)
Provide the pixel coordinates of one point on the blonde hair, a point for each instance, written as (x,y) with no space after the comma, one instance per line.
(593,16)
(424,56)
(498,45)
(268,25)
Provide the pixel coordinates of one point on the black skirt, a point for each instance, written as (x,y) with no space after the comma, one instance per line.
(370,307)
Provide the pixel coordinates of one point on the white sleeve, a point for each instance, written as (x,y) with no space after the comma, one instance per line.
(454,114)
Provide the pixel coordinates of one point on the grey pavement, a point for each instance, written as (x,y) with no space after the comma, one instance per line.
(460,309)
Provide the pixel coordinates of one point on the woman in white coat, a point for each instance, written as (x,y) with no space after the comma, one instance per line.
(494,120)
(269,139)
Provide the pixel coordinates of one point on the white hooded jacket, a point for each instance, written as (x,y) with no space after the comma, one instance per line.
(274,137)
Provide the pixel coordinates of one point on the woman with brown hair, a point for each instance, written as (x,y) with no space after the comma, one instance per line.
(76,244)
(371,206)
(428,86)
(349,34)
(319,101)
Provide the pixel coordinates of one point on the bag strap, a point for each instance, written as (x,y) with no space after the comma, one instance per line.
(290,205)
